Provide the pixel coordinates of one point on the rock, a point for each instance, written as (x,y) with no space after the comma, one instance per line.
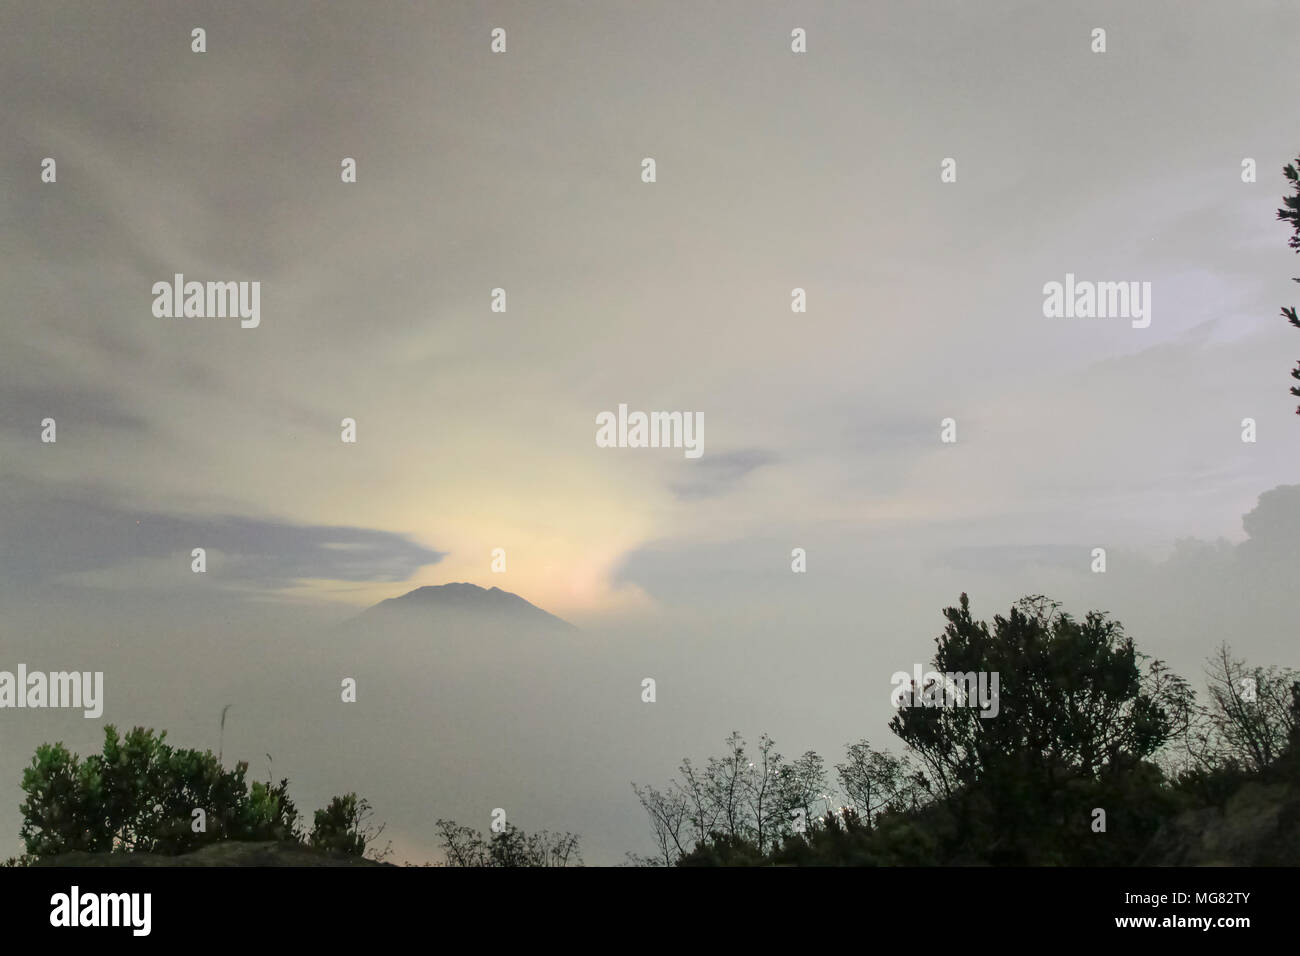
(1259,825)
(223,853)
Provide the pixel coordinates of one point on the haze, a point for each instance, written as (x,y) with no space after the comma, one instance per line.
(475,429)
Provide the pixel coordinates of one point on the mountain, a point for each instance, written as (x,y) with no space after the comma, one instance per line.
(451,702)
(464,600)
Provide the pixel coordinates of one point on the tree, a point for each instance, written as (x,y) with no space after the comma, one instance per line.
(343,827)
(1078,716)
(1072,698)
(1082,718)
(725,785)
(510,847)
(701,802)
(462,846)
(140,794)
(734,803)
(766,794)
(513,847)
(804,784)
(875,781)
(1290,213)
(669,811)
(1250,719)
(60,812)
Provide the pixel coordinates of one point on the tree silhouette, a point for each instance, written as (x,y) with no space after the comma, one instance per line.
(464,846)
(1290,212)
(1082,724)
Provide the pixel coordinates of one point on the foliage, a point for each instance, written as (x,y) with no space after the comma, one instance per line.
(464,846)
(1290,213)
(140,794)
(1084,723)
(342,827)
(1249,718)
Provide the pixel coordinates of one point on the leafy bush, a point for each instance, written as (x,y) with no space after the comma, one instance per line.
(140,794)
(341,827)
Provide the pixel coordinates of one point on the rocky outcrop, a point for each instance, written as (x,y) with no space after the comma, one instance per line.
(224,853)
(1259,825)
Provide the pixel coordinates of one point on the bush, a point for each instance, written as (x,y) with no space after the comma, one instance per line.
(143,795)
(341,827)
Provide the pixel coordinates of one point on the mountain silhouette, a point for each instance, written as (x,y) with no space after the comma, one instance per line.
(465,699)
(464,602)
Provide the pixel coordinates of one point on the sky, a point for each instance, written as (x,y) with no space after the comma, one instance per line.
(475,429)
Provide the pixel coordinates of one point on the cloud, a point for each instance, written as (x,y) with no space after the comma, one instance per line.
(716,475)
(23,407)
(1274,528)
(49,534)
(1011,557)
